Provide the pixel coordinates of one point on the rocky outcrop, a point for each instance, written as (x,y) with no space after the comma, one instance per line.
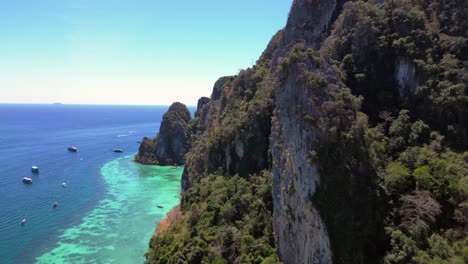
(171,144)
(218,87)
(147,152)
(231,133)
(317,182)
(309,20)
(405,74)
(201,103)
(201,121)
(302,236)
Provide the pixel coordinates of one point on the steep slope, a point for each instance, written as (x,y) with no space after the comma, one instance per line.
(231,134)
(170,145)
(358,110)
(227,203)
(331,184)
(325,199)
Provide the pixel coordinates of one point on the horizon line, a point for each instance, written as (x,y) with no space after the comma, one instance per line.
(92,104)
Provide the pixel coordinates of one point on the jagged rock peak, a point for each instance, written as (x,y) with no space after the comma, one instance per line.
(218,87)
(179,111)
(309,19)
(201,102)
(170,145)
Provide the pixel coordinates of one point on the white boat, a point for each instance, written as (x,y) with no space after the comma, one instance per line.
(35,169)
(27,180)
(64,184)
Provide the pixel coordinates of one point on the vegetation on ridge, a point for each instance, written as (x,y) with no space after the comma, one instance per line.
(397,139)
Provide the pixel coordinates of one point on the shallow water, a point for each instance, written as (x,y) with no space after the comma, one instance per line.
(96,183)
(119,228)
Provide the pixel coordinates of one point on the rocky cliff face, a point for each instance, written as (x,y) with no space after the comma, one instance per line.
(302,236)
(317,110)
(309,20)
(405,74)
(170,145)
(321,178)
(147,152)
(231,132)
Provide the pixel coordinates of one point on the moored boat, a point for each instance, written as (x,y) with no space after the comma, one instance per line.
(35,169)
(73,149)
(27,180)
(118,150)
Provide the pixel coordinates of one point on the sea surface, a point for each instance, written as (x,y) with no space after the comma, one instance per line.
(110,206)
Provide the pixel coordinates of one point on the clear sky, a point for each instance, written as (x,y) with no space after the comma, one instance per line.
(128,51)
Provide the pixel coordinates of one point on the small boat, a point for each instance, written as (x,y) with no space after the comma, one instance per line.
(73,149)
(35,169)
(23,221)
(64,184)
(27,180)
(55,204)
(118,150)
(159,206)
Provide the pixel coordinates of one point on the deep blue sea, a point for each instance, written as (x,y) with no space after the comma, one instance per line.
(108,210)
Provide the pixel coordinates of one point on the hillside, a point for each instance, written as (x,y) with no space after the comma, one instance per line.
(346,143)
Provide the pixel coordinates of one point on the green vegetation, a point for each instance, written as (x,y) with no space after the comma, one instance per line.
(427,189)
(226,220)
(388,124)
(237,138)
(416,136)
(227,211)
(430,36)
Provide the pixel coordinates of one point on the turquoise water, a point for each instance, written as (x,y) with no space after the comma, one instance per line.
(109,200)
(119,228)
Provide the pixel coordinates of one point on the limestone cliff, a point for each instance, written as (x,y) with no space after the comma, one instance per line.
(170,145)
(336,60)
(231,132)
(313,109)
(318,111)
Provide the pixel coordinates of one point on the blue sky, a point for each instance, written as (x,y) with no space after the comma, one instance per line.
(128,51)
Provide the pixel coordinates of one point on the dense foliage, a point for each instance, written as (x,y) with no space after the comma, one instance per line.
(392,155)
(407,54)
(226,220)
(417,132)
(427,188)
(232,137)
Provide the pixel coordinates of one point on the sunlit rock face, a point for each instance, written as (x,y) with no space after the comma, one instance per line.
(301,234)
